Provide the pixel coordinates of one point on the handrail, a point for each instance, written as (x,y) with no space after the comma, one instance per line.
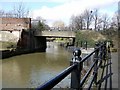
(76,67)
(87,56)
(51,83)
(93,77)
(86,75)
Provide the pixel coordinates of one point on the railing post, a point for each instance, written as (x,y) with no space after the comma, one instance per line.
(109,57)
(104,51)
(76,74)
(96,60)
(101,50)
(109,52)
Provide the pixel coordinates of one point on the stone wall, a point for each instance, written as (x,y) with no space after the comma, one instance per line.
(13,27)
(30,42)
(6,36)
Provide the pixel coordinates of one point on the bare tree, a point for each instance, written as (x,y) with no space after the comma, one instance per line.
(72,24)
(88,18)
(99,24)
(9,14)
(1,13)
(95,18)
(60,25)
(105,21)
(77,22)
(20,10)
(115,21)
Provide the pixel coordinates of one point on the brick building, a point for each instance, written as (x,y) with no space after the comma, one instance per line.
(13,26)
(14,23)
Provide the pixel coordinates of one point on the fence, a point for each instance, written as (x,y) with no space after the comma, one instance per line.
(101,56)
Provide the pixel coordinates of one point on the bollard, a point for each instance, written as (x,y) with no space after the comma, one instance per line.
(76,73)
(96,58)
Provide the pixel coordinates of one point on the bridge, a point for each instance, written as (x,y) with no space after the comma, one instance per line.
(39,39)
(99,75)
(63,34)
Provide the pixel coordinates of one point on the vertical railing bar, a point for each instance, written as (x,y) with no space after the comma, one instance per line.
(89,88)
(86,57)
(94,76)
(110,77)
(107,69)
(86,75)
(106,74)
(96,58)
(103,58)
(109,57)
(101,76)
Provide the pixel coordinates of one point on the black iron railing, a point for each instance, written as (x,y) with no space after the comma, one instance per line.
(101,60)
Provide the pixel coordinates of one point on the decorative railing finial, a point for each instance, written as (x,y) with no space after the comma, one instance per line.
(77,52)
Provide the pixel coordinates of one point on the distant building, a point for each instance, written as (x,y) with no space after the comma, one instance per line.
(14,26)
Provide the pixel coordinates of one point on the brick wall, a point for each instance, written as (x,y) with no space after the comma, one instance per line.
(14,23)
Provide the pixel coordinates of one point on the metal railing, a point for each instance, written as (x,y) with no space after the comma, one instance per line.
(101,55)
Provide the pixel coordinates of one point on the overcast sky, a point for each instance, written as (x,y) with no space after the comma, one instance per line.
(53,10)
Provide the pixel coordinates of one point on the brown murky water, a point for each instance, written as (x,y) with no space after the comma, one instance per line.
(32,70)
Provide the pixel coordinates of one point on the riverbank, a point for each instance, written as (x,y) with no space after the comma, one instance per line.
(4,45)
(15,52)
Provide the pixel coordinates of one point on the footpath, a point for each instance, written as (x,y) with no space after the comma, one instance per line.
(114,60)
(114,70)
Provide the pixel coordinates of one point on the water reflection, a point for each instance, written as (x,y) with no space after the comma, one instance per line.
(32,70)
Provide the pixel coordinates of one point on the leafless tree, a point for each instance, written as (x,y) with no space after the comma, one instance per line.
(95,18)
(9,14)
(20,10)
(2,13)
(105,21)
(77,22)
(88,17)
(115,21)
(99,24)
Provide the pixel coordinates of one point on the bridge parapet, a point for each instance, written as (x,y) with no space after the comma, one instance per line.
(65,34)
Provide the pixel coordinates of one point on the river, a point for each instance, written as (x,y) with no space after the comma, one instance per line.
(32,70)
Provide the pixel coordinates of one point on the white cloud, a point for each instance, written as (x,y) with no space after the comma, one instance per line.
(55,1)
(68,8)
